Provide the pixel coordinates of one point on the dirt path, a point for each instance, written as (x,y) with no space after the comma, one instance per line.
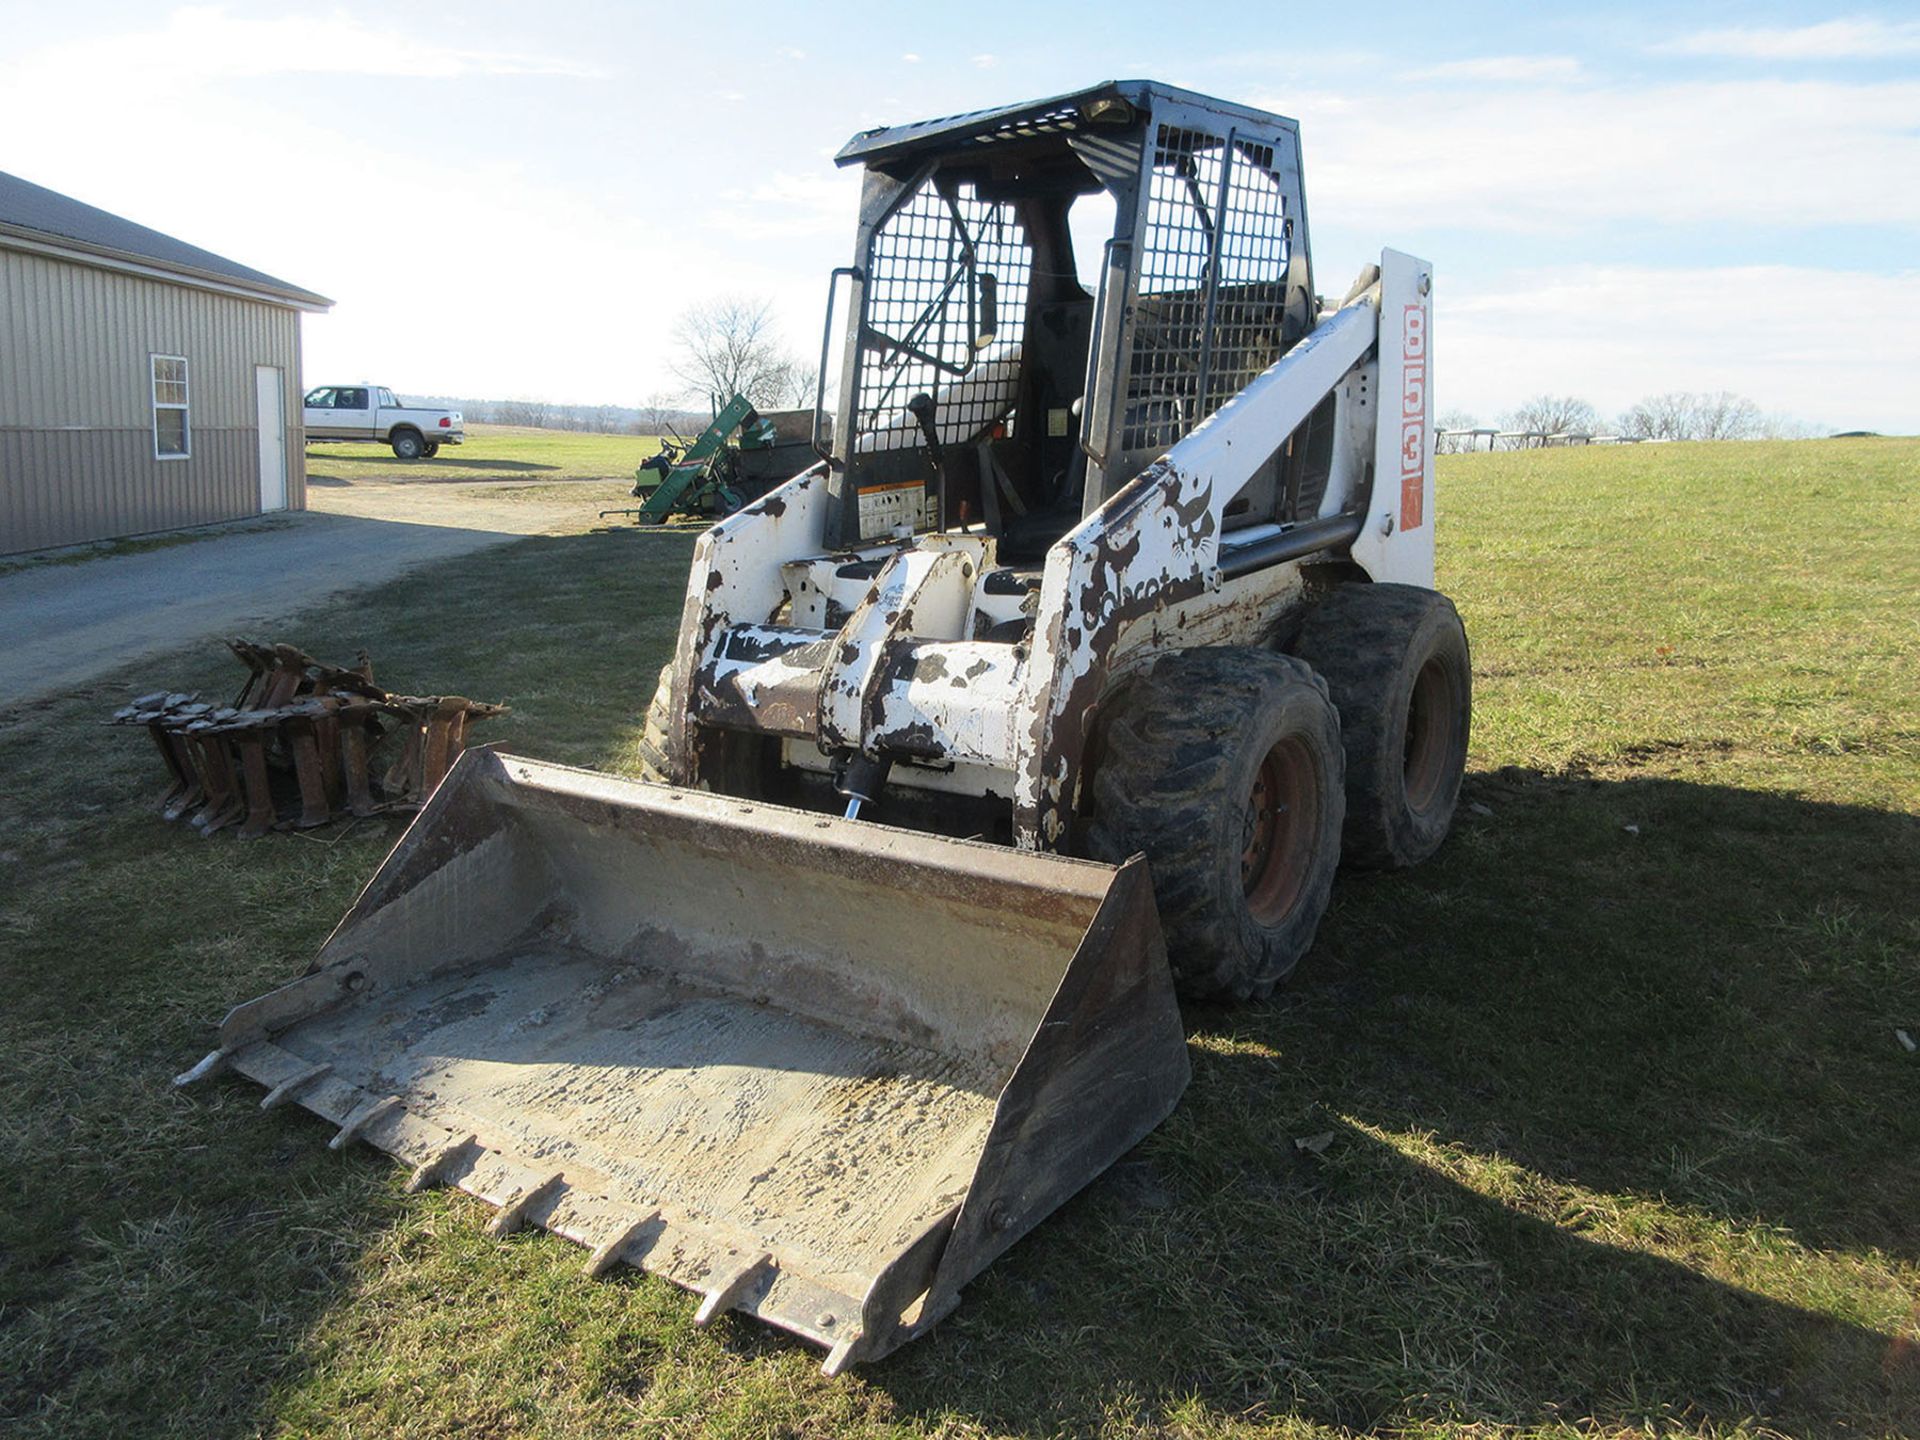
(68,622)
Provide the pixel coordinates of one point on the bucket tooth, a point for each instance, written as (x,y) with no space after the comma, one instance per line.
(360,1119)
(428,1172)
(292,1085)
(513,1210)
(733,1285)
(608,1252)
(212,1063)
(839,1356)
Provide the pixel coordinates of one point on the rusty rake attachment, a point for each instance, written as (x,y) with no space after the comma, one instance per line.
(435,734)
(154,712)
(303,744)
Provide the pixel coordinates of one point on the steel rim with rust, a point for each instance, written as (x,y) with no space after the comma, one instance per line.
(1283,814)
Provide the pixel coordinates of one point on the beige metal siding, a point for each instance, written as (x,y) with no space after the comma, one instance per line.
(76,424)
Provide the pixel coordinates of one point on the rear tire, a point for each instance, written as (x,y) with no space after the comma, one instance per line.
(1396,663)
(430,449)
(1224,767)
(407,445)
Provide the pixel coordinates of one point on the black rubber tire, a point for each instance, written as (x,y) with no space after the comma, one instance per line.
(430,449)
(653,732)
(1180,751)
(406,444)
(1396,662)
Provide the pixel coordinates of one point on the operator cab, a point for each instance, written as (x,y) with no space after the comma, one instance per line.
(994,383)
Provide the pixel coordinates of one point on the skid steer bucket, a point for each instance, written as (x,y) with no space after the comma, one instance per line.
(819,1070)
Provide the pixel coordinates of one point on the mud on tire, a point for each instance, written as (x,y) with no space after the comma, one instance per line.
(1395,660)
(1224,766)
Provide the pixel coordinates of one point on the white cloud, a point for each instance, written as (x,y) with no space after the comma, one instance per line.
(986,62)
(1550,159)
(1498,68)
(1797,340)
(521,285)
(911,58)
(204,42)
(1858,38)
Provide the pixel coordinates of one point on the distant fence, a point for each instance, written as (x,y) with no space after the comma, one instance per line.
(1458,442)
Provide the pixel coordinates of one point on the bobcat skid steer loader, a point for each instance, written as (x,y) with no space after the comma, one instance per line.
(1106,617)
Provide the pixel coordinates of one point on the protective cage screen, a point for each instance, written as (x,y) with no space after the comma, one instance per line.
(921,298)
(1216,244)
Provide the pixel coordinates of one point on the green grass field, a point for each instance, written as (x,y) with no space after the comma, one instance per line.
(1621,1136)
(512,463)
(491,452)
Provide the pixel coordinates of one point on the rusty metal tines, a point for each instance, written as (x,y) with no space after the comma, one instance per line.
(436,734)
(151,712)
(251,732)
(259,661)
(224,803)
(298,726)
(357,718)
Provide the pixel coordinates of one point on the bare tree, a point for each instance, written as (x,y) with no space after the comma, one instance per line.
(1454,444)
(523,412)
(1555,415)
(1683,415)
(1723,416)
(658,412)
(803,384)
(728,347)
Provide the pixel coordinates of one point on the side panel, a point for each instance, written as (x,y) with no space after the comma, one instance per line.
(77,456)
(1152,546)
(1396,544)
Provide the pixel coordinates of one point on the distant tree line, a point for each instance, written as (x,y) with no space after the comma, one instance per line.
(722,348)
(1675,415)
(650,418)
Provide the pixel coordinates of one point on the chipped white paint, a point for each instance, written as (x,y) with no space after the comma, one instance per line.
(1139,576)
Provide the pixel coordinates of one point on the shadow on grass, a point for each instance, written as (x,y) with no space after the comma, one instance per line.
(1586,1091)
(425,468)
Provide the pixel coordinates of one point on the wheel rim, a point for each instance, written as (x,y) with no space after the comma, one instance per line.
(1283,809)
(1430,733)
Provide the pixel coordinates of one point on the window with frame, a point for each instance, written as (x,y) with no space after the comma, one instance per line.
(172,434)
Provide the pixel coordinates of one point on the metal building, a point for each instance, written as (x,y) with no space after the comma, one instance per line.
(145,384)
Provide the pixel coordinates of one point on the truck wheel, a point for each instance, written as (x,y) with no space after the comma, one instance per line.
(1224,767)
(430,449)
(1396,663)
(407,445)
(653,733)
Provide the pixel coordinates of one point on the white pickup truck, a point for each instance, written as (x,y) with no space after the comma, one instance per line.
(369,412)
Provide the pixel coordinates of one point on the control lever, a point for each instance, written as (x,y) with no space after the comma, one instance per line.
(922,408)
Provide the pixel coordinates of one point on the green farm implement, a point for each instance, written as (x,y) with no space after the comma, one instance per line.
(702,480)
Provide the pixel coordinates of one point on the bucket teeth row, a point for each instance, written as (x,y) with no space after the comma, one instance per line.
(304,743)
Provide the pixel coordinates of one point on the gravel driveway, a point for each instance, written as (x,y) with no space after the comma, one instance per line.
(66,623)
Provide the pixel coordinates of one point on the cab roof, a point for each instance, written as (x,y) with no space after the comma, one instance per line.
(1111,104)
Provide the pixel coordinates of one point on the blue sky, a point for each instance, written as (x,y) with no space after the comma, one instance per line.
(515,200)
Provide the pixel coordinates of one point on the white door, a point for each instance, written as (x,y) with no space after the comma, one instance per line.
(270,393)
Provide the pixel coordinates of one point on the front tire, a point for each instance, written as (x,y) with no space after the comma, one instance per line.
(1224,766)
(407,445)
(1396,663)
